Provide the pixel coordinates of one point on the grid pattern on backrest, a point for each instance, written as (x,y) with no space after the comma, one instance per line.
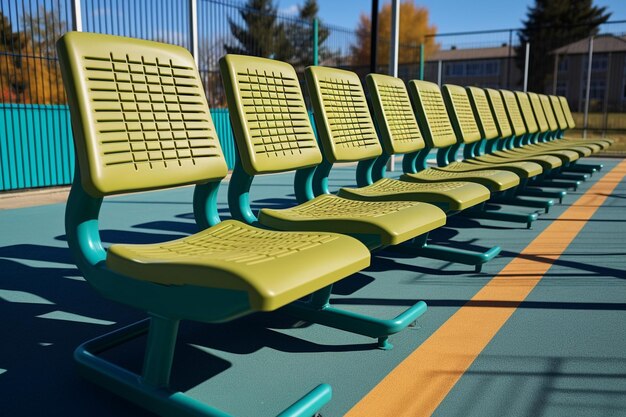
(499,112)
(558,112)
(539,113)
(342,116)
(482,112)
(432,115)
(567,112)
(514,113)
(270,122)
(394,114)
(461,114)
(527,112)
(140,112)
(547,109)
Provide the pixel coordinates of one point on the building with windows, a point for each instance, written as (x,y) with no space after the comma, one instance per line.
(492,67)
(607,90)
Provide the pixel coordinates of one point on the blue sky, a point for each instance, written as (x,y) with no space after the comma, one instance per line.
(447,15)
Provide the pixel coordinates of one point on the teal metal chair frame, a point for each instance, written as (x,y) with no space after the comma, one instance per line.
(317,308)
(167,304)
(312,182)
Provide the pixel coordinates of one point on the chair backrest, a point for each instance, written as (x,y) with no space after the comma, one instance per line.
(139,114)
(461,113)
(513,111)
(528,115)
(270,121)
(482,113)
(391,105)
(432,115)
(342,117)
(558,112)
(547,108)
(567,112)
(540,115)
(498,110)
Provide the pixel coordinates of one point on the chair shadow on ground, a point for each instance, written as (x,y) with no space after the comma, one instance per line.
(52,310)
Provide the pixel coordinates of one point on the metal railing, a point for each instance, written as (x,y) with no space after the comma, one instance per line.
(35,134)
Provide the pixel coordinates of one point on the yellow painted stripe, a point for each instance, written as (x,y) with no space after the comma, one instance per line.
(417,385)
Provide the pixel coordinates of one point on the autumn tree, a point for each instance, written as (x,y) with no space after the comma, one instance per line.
(29,72)
(8,74)
(42,83)
(413,30)
(262,35)
(302,35)
(551,24)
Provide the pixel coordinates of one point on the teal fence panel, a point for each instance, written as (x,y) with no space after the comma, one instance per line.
(36,148)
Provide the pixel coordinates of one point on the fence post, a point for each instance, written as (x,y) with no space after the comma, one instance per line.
(587,95)
(508,62)
(316,40)
(193,30)
(393,55)
(526,63)
(374,37)
(555,73)
(605,106)
(439,72)
(77,17)
(422,61)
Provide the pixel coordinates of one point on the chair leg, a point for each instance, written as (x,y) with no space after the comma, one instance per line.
(525,202)
(586,168)
(150,390)
(549,183)
(538,192)
(570,176)
(318,310)
(420,247)
(515,217)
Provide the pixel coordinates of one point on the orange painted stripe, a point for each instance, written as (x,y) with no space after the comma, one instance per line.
(418,384)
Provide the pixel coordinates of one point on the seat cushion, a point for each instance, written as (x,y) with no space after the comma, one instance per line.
(494,180)
(522,168)
(547,162)
(393,221)
(275,268)
(453,196)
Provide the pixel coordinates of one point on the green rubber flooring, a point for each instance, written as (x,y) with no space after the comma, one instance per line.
(562,353)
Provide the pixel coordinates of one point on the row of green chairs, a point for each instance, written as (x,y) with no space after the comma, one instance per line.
(141,122)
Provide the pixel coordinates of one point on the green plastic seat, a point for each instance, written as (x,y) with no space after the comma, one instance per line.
(347,134)
(535,134)
(604,143)
(454,196)
(510,126)
(548,129)
(141,122)
(335,108)
(525,125)
(235,256)
(490,132)
(273,133)
(565,120)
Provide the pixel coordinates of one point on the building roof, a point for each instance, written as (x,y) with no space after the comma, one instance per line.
(605,43)
(472,53)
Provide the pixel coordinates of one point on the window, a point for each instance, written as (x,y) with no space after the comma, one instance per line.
(599,63)
(454,69)
(596,92)
(563,64)
(479,68)
(561,88)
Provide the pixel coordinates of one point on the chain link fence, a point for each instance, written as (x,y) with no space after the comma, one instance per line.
(35,135)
